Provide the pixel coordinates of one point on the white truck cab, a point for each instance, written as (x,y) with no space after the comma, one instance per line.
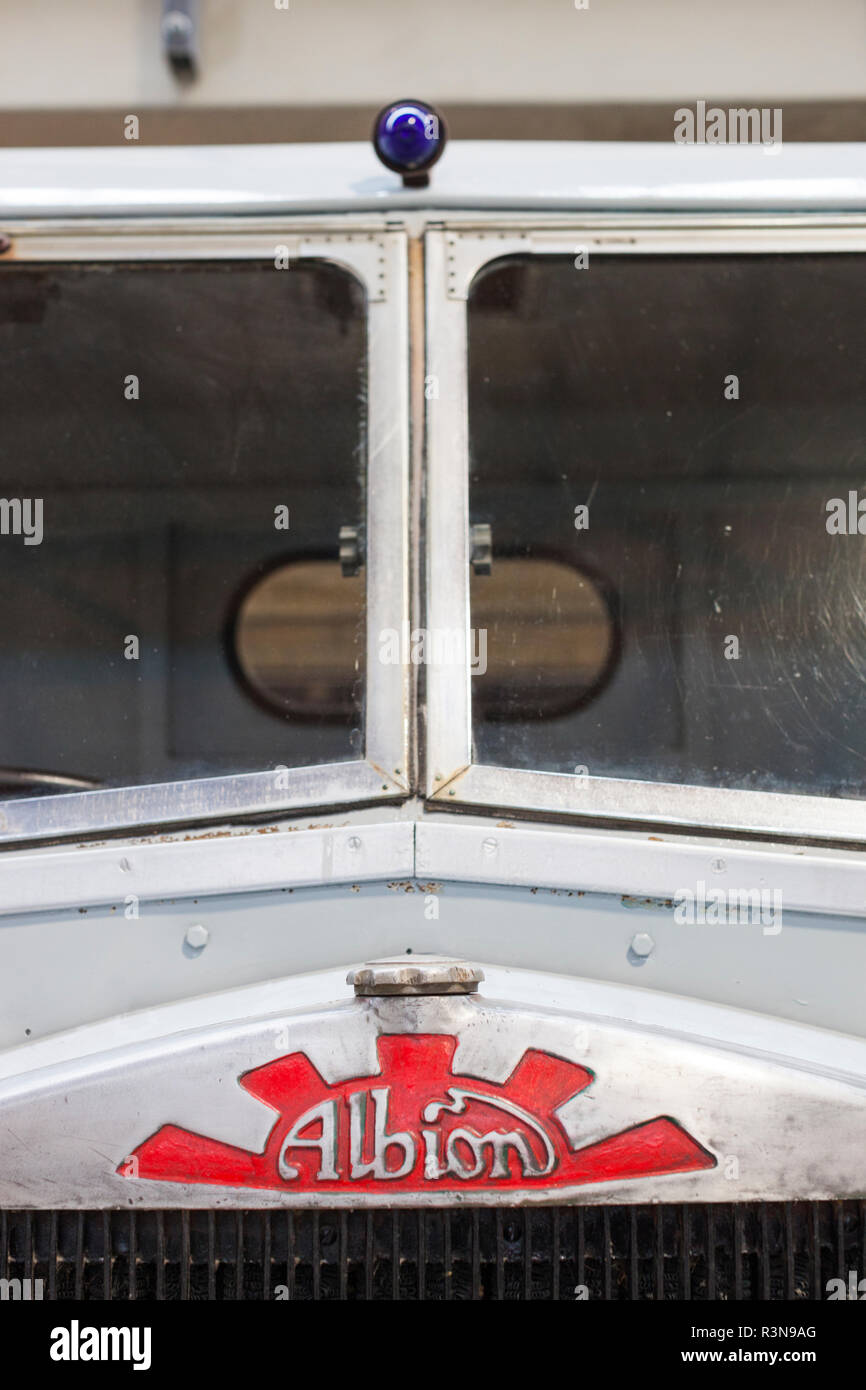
(432,752)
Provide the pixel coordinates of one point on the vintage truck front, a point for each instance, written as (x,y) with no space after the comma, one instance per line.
(432,742)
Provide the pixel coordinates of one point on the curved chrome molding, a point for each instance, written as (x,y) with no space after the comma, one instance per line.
(749,1100)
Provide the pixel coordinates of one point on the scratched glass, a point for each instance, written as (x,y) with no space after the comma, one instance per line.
(721,529)
(161,520)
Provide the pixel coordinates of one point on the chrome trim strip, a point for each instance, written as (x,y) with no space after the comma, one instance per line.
(171,803)
(662,803)
(758,1094)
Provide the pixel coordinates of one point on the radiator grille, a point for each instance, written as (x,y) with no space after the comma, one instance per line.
(752,1251)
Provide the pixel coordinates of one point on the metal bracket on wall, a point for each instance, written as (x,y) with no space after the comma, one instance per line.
(180,36)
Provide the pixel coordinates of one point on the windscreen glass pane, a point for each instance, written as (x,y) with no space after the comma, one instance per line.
(671,454)
(180,446)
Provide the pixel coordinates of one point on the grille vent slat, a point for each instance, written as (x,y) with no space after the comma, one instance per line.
(750,1251)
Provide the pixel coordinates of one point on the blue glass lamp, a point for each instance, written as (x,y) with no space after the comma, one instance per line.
(409,137)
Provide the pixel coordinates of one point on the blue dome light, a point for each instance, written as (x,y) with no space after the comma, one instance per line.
(409,136)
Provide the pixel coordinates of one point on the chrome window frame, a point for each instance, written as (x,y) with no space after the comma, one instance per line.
(376,255)
(455,252)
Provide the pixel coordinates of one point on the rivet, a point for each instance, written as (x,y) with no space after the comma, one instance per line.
(642,944)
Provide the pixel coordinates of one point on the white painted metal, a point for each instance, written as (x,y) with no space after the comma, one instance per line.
(67,967)
(448,699)
(638,865)
(468,247)
(477,175)
(257,860)
(431,848)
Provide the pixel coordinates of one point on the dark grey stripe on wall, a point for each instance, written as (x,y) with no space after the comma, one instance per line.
(844,120)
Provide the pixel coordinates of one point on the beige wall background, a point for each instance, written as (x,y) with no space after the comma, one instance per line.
(350,56)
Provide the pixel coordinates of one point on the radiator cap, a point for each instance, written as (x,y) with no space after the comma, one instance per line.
(415,975)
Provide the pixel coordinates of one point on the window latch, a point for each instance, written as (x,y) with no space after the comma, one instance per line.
(351,551)
(481,547)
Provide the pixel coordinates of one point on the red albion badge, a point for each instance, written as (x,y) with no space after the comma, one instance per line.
(416,1126)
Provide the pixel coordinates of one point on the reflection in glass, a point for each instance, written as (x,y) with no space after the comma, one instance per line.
(550,639)
(704,411)
(296,639)
(187,426)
